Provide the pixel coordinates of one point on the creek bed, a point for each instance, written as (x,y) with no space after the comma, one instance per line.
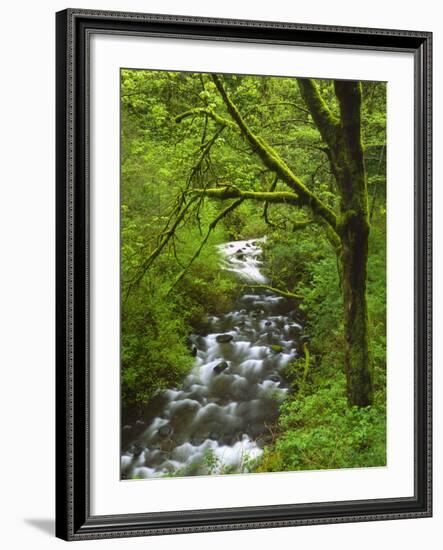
(219,420)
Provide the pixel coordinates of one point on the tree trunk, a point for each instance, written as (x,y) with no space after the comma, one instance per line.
(358,364)
(354,234)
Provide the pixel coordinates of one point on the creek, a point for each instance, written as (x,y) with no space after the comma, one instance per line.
(223,415)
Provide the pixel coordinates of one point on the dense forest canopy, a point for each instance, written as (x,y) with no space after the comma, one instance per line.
(212,158)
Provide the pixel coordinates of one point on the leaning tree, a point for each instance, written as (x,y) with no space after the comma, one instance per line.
(347,227)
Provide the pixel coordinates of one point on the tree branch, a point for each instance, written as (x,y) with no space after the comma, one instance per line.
(211,227)
(167,235)
(231,192)
(265,208)
(284,293)
(273,161)
(287,121)
(327,123)
(205,150)
(207,112)
(276,104)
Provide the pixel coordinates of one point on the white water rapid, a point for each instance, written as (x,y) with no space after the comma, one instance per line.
(218,421)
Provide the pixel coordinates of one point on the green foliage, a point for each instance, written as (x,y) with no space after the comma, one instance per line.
(322,300)
(320,431)
(163,160)
(154,354)
(210,461)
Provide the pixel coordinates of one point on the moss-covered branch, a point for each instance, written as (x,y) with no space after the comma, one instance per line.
(221,193)
(206,111)
(232,192)
(274,162)
(328,125)
(279,291)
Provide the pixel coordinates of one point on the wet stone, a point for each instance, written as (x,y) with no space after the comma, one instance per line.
(137,450)
(221,367)
(198,341)
(224,338)
(165,431)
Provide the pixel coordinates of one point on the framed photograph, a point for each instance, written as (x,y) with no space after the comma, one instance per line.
(243,274)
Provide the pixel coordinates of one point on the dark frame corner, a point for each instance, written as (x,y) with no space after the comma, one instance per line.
(74,521)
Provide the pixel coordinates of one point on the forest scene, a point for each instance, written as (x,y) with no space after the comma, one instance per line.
(253,274)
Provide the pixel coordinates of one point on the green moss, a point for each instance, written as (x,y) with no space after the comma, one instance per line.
(276,348)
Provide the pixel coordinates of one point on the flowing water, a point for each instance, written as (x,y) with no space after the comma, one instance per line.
(226,406)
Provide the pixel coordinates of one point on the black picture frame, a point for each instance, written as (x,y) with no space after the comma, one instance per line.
(73,518)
